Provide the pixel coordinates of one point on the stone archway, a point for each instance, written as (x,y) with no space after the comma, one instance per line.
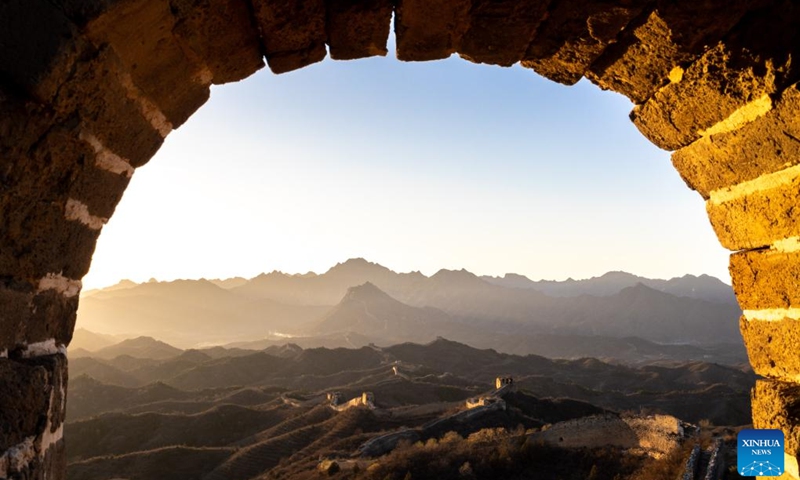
(89,90)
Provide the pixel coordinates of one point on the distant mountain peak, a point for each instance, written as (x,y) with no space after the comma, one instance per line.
(366,292)
(445,273)
(357,261)
(640,289)
(515,276)
(618,274)
(356,266)
(142,339)
(140,347)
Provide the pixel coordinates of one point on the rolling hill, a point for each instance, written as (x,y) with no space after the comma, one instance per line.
(265,415)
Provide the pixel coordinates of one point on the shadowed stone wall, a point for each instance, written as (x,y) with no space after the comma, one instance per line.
(90,88)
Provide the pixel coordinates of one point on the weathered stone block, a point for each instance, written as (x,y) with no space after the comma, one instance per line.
(766,279)
(38,239)
(223,35)
(30,316)
(100,94)
(430,30)
(765,145)
(711,90)
(640,63)
(38,46)
(31,416)
(574,35)
(100,190)
(292,32)
(759,213)
(772,347)
(358,29)
(25,399)
(777,405)
(500,30)
(14,309)
(141,33)
(671,36)
(53,315)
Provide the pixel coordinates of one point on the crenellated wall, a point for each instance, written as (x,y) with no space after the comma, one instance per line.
(90,88)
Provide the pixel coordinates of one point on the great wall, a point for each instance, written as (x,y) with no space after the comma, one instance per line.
(89,90)
(652,435)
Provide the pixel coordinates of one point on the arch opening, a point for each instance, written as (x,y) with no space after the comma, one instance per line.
(90,90)
(486,194)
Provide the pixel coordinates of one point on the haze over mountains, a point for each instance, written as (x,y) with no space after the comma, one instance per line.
(704,287)
(358,302)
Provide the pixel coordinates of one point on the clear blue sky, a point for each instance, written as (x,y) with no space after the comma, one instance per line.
(417,166)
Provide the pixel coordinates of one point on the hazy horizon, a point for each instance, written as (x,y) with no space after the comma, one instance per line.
(425,273)
(416,166)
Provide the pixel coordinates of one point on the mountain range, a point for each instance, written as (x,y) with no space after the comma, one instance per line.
(160,412)
(703,287)
(357,302)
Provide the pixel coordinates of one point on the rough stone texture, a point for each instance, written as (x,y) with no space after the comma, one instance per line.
(57,246)
(672,35)
(757,219)
(292,32)
(358,28)
(31,413)
(26,389)
(429,30)
(37,237)
(223,34)
(35,317)
(574,35)
(772,347)
(768,144)
(38,46)
(743,67)
(501,30)
(22,124)
(711,90)
(44,164)
(96,91)
(656,435)
(155,59)
(639,64)
(777,405)
(764,279)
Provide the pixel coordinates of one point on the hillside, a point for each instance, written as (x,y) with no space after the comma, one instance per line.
(140,347)
(265,414)
(367,310)
(90,341)
(443,364)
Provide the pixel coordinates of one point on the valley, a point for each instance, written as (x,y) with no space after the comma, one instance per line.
(142,404)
